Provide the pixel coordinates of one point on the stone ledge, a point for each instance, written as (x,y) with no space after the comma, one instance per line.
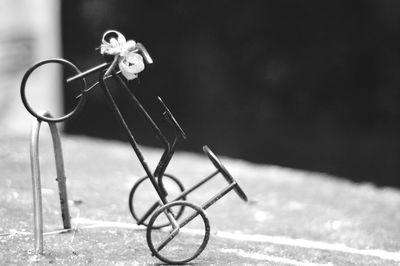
(286,207)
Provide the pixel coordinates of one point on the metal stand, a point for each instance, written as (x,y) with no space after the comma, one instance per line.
(36,180)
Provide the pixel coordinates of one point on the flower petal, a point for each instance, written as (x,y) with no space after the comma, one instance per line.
(121,39)
(113,43)
(131,65)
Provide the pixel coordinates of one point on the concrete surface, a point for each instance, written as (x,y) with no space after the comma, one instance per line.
(293,217)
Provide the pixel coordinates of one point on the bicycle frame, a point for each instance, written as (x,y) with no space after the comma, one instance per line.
(169,148)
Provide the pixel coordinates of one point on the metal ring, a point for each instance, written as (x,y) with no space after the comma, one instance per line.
(135,189)
(42,117)
(198,211)
(221,168)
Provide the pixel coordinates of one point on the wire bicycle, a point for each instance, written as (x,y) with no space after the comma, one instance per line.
(174,234)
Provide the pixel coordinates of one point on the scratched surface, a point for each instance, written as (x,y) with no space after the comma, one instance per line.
(293,217)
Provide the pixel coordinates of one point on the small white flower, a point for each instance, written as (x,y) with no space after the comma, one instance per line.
(130,62)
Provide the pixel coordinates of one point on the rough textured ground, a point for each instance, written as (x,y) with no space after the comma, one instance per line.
(293,217)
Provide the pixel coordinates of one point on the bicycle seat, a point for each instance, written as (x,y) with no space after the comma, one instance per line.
(217,163)
(171,119)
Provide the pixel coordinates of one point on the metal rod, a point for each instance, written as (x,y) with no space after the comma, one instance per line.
(217,197)
(88,72)
(145,53)
(190,190)
(162,165)
(61,178)
(171,236)
(94,85)
(36,189)
(210,202)
(131,138)
(146,115)
(164,160)
(112,66)
(149,212)
(168,151)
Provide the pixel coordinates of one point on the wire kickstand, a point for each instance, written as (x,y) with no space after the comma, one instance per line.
(36,180)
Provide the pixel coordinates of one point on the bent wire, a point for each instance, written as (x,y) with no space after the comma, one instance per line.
(36,180)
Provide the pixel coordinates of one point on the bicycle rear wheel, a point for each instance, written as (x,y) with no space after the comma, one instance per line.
(144,201)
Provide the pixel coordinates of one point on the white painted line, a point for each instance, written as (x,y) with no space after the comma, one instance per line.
(311,244)
(258,256)
(279,240)
(97,224)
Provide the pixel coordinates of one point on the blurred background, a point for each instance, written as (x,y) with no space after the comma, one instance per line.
(311,84)
(30,30)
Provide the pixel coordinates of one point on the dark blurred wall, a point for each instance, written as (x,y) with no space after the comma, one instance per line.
(305,84)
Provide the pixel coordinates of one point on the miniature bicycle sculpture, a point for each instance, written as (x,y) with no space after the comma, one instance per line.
(172,233)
